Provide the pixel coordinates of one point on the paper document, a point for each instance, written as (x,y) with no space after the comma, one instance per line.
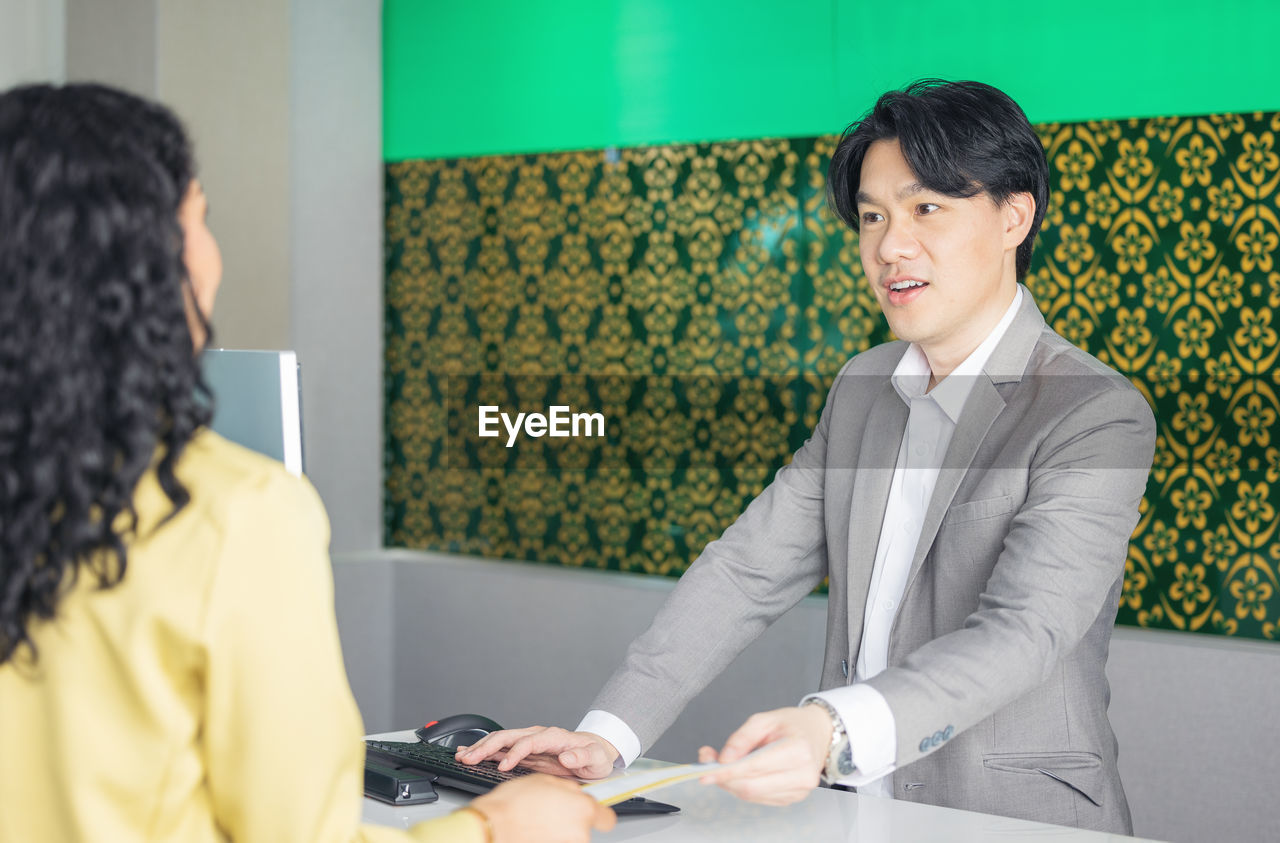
(622,788)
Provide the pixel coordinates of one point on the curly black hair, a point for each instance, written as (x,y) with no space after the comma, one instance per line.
(98,373)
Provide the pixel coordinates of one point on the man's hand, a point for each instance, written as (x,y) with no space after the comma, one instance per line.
(546,749)
(542,809)
(793,745)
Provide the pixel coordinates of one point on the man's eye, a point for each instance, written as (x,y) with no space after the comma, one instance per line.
(926,208)
(870,217)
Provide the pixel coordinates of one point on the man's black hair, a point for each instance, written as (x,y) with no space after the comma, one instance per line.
(959,138)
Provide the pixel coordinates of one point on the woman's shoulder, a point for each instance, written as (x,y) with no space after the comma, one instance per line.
(227,481)
(210,459)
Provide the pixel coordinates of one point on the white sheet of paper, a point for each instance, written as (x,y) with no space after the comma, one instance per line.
(622,788)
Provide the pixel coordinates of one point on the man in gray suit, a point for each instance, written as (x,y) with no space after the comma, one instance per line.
(969,490)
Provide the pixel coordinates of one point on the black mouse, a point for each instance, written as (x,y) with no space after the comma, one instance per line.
(458,730)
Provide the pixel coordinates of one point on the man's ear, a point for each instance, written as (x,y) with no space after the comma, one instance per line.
(1019,212)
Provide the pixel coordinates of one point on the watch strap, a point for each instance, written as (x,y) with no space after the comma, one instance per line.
(839,762)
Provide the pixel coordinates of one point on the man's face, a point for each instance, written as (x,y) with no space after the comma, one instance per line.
(941,268)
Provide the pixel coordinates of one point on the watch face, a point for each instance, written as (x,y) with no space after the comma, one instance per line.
(844,761)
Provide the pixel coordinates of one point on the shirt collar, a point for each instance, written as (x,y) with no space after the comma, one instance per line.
(911,377)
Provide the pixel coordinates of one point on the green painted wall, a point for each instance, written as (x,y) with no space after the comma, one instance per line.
(500,76)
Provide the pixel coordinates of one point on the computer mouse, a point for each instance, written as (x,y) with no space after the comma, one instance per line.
(458,730)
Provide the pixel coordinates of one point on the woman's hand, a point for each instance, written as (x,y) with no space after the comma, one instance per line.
(542,809)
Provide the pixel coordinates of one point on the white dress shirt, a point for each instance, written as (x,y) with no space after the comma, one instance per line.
(930,424)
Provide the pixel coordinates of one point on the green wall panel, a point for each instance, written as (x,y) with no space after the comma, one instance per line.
(506,76)
(1088,59)
(510,76)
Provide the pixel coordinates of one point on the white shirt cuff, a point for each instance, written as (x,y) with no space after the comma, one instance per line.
(873,735)
(616,732)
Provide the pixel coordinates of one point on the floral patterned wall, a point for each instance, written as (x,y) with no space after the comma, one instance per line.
(701,298)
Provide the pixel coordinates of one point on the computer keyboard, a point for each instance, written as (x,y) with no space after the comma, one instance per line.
(440,762)
(447,771)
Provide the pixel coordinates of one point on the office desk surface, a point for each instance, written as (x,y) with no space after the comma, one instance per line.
(710,814)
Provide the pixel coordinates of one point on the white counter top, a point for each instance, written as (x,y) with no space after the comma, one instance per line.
(708,813)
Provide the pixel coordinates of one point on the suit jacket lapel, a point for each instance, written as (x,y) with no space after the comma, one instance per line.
(980,411)
(881,440)
(1007,363)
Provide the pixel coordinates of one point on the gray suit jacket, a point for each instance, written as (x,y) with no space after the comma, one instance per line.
(996,659)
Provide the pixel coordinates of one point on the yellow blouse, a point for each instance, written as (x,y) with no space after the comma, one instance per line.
(204,697)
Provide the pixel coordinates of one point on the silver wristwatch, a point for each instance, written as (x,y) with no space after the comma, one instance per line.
(839,755)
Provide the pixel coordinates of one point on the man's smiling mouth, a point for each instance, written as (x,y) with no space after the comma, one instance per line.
(902,291)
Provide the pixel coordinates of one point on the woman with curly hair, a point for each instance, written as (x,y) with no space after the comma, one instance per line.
(169,660)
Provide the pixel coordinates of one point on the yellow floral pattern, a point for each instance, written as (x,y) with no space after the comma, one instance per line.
(1179,296)
(701,297)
